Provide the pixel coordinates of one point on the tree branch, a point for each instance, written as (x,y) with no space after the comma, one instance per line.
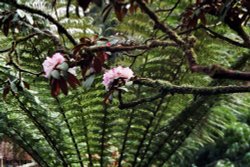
(121,47)
(11,63)
(141,101)
(214,71)
(217,35)
(60,28)
(19,41)
(168,88)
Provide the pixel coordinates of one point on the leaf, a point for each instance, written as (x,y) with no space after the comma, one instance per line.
(77,49)
(98,2)
(84,69)
(55,74)
(53,3)
(55,87)
(26,85)
(63,86)
(20,13)
(6,27)
(120,11)
(64,74)
(123,88)
(97,64)
(29,18)
(64,66)
(19,86)
(203,19)
(6,90)
(84,3)
(13,87)
(89,81)
(86,41)
(129,83)
(99,61)
(108,97)
(73,81)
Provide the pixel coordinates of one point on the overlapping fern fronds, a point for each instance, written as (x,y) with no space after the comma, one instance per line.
(81,130)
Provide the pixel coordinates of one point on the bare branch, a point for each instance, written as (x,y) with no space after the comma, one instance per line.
(168,88)
(214,71)
(124,47)
(60,28)
(217,35)
(23,70)
(141,101)
(19,41)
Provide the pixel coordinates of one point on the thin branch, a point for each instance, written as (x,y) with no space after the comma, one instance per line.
(217,35)
(141,101)
(214,71)
(19,41)
(22,70)
(189,30)
(186,119)
(46,33)
(122,48)
(60,28)
(168,88)
(172,34)
(173,8)
(5,50)
(170,10)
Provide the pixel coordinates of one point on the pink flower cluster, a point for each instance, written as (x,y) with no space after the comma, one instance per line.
(118,72)
(50,63)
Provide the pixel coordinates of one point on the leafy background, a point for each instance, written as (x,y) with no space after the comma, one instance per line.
(78,130)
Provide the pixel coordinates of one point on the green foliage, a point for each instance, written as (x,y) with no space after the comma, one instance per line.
(176,130)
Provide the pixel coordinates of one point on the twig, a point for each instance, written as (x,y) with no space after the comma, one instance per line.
(19,41)
(141,101)
(214,71)
(60,28)
(217,35)
(22,70)
(168,88)
(122,48)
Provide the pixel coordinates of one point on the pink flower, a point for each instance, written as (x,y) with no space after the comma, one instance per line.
(118,72)
(108,44)
(50,63)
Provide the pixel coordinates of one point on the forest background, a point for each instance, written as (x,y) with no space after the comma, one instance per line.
(187,104)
